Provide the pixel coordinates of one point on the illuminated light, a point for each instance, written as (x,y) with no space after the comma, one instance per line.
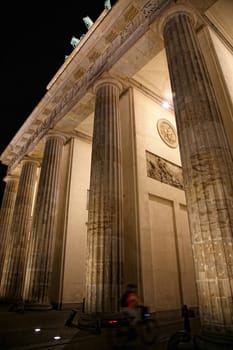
(57,337)
(165,104)
(37,330)
(112,321)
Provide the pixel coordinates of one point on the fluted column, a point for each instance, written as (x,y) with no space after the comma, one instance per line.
(104,263)
(42,240)
(208,173)
(7,208)
(16,253)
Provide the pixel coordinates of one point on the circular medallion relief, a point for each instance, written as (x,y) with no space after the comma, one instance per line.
(167,133)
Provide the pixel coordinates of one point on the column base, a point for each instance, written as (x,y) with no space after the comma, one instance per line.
(14,304)
(4,300)
(42,307)
(212,342)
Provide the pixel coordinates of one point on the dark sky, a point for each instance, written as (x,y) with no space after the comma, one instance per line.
(35,37)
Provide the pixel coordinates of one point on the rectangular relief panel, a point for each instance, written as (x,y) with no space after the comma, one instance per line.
(162,170)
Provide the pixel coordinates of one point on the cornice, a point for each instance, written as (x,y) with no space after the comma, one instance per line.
(136,24)
(149,93)
(219,33)
(82,136)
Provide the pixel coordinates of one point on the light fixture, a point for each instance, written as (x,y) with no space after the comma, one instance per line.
(165,104)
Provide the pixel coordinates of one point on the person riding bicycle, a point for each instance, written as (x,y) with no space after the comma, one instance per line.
(139,322)
(131,304)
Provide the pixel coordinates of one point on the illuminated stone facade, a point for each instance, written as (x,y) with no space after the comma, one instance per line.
(134,141)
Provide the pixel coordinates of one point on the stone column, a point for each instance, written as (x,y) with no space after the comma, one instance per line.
(6,215)
(104,262)
(208,173)
(16,253)
(43,235)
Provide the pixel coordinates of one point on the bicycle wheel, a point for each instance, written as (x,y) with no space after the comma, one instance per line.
(148,331)
(177,338)
(121,337)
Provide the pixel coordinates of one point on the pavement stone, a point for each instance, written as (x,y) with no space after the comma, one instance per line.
(17,332)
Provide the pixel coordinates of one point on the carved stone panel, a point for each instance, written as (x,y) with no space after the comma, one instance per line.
(167,133)
(164,171)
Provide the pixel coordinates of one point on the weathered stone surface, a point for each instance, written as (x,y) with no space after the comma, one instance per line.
(12,281)
(7,209)
(105,204)
(43,235)
(207,168)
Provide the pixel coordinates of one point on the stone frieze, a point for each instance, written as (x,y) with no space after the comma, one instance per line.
(133,30)
(164,171)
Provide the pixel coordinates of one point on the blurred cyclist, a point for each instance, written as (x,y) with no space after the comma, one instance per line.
(131,304)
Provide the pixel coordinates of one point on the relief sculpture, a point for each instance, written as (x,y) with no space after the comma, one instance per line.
(167,133)
(164,171)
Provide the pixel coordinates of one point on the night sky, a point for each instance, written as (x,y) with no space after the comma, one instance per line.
(35,39)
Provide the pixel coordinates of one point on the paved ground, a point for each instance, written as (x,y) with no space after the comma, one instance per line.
(18,332)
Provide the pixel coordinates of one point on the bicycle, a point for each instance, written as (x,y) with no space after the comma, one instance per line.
(145,329)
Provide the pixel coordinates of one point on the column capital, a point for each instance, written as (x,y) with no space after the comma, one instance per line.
(8,178)
(107,79)
(27,159)
(54,134)
(173,12)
